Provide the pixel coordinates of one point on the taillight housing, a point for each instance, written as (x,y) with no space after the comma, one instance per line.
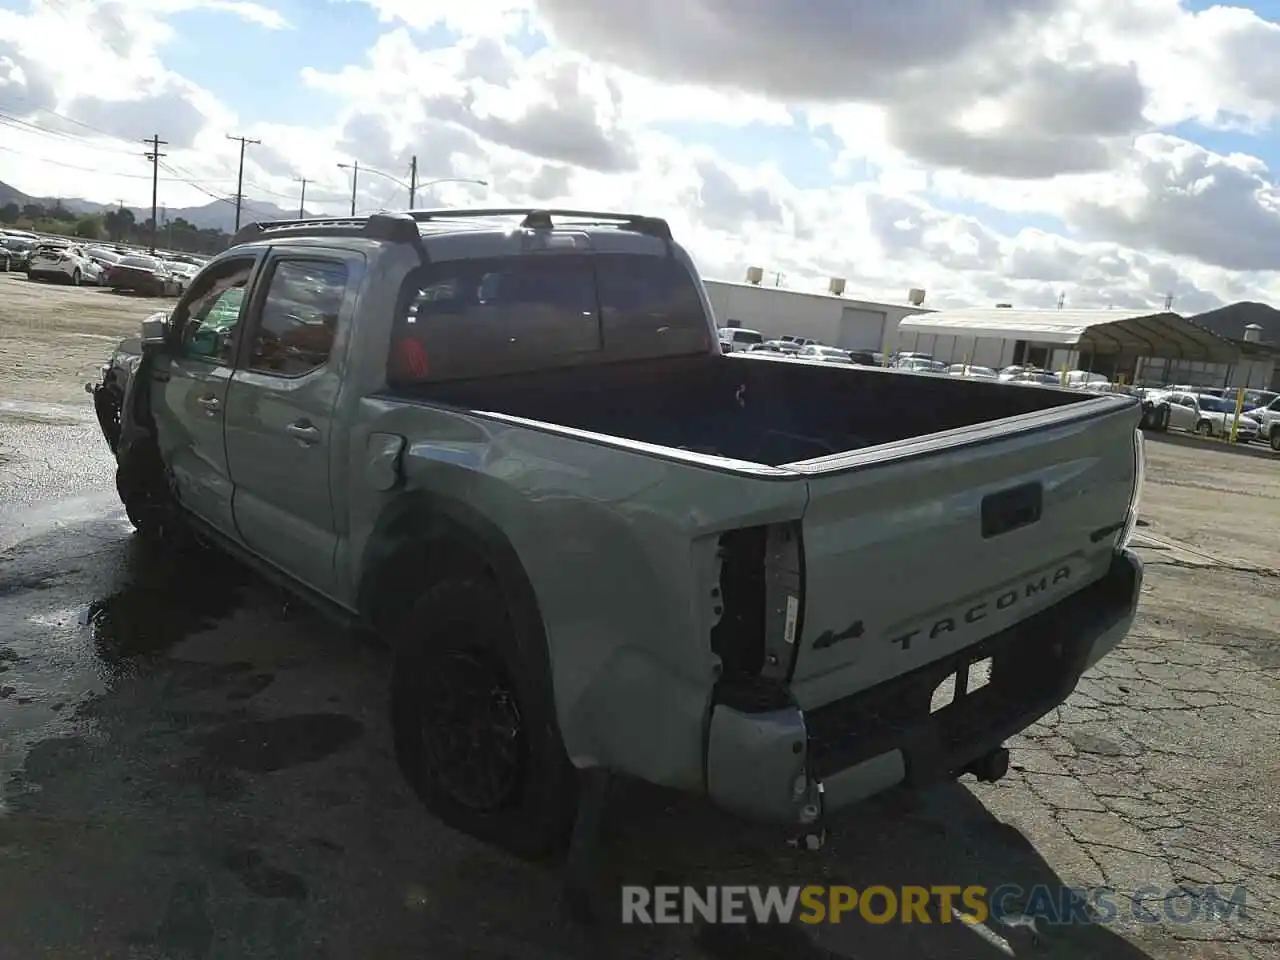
(1135,496)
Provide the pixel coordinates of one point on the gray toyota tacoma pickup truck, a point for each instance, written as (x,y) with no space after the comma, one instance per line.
(508,442)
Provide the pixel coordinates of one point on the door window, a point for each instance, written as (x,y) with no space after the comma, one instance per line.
(294,333)
(209,316)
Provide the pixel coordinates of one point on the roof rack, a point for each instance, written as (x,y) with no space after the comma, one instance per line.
(540,218)
(394,227)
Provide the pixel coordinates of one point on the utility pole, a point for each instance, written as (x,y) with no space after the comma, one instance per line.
(240,177)
(355,175)
(154,156)
(413,180)
(302,201)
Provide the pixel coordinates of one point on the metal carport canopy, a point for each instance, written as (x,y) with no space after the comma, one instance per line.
(1165,336)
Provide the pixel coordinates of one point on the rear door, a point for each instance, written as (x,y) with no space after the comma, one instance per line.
(280,406)
(189,389)
(909,560)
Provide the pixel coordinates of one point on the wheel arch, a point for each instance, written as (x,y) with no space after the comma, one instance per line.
(422,538)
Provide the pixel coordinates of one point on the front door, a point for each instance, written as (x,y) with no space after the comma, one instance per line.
(280,408)
(1181,413)
(189,389)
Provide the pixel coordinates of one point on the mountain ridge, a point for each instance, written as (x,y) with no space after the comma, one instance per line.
(214,215)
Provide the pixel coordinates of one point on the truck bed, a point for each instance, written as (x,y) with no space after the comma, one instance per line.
(765,411)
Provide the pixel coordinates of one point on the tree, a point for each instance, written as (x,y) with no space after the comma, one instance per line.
(119,224)
(88,228)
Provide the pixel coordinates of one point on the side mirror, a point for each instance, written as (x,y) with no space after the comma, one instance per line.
(155,330)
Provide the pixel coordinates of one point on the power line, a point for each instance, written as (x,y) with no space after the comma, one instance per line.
(97,170)
(26,126)
(195,182)
(154,156)
(244,141)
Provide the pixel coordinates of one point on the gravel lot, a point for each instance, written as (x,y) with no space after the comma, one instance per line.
(54,337)
(190,768)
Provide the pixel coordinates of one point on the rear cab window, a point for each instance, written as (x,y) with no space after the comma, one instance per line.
(477,317)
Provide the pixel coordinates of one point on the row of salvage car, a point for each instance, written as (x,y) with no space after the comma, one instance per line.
(95,264)
(737,339)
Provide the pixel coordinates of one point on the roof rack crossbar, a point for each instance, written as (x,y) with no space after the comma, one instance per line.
(540,217)
(395,227)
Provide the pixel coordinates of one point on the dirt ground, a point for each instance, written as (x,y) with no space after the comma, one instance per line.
(55,337)
(188,768)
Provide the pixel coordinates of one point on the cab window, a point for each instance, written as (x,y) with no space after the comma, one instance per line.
(295,331)
(209,316)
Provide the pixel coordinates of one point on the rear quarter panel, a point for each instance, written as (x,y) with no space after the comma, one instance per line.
(619,546)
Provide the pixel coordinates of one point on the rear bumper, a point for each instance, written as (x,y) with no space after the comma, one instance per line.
(789,766)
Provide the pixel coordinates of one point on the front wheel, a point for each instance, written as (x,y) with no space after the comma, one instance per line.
(143,487)
(75,277)
(1204,428)
(474,723)
(1275,439)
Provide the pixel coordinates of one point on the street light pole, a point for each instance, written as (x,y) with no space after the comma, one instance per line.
(413,180)
(355,174)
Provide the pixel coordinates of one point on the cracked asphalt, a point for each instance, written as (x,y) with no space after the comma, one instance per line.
(192,768)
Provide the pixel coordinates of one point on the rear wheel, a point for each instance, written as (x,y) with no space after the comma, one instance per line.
(474,723)
(1275,439)
(75,277)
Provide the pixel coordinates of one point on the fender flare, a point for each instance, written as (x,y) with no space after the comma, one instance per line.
(422,537)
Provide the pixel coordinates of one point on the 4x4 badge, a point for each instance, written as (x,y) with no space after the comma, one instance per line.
(831,638)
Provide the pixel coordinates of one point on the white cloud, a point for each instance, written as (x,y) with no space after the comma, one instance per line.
(1044,108)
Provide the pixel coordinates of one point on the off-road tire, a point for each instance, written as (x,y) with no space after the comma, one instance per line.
(467,617)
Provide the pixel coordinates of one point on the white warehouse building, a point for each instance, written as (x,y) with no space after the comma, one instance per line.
(828,318)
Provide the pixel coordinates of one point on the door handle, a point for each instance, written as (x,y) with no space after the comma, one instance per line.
(303,432)
(210,403)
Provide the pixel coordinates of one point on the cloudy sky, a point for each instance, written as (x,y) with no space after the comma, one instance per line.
(1114,151)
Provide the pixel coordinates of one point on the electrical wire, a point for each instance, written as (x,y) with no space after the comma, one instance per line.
(26,126)
(100,172)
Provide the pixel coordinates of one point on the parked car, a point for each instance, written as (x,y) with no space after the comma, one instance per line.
(15,254)
(867,358)
(785,345)
(1253,397)
(1208,416)
(1042,377)
(142,274)
(969,370)
(739,338)
(1267,418)
(919,364)
(182,273)
(827,354)
(104,258)
(599,546)
(51,260)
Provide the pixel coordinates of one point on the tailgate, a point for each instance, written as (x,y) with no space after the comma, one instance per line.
(915,550)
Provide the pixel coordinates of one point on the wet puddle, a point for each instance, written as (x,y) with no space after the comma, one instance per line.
(169,597)
(265,746)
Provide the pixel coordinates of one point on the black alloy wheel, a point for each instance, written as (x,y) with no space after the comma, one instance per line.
(473,740)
